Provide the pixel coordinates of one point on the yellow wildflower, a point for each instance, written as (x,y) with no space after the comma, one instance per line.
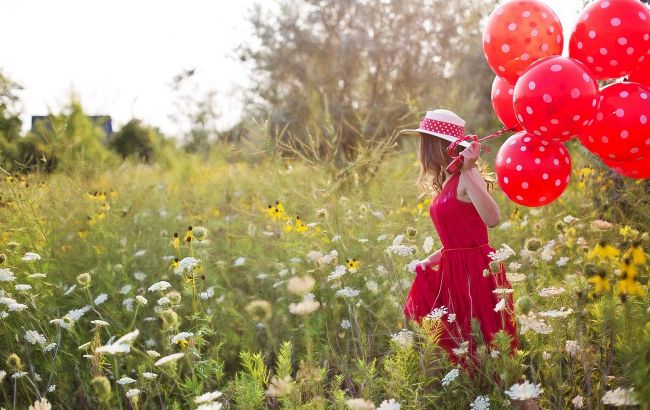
(174,264)
(603,251)
(188,235)
(352,264)
(628,232)
(300,227)
(600,282)
(82,233)
(276,212)
(515,215)
(176,242)
(636,253)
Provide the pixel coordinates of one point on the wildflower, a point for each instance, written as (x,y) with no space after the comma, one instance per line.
(16,307)
(142,301)
(382,237)
(437,313)
(502,253)
(636,253)
(140,253)
(403,338)
(207,397)
(169,359)
(372,286)
(176,241)
(188,235)
(502,291)
(571,347)
(181,338)
(532,322)
(133,393)
(359,404)
(532,244)
(461,350)
(300,285)
(603,251)
(389,405)
(500,305)
(3,374)
(620,397)
(160,286)
(569,219)
(6,275)
(306,306)
(128,304)
(345,324)
(551,291)
(210,406)
(578,402)
(347,292)
(31,256)
(523,391)
(515,277)
(562,261)
(240,261)
(187,265)
(209,292)
(18,375)
(41,404)
(101,298)
(49,347)
(480,403)
(628,232)
(352,265)
(174,297)
(401,250)
(275,212)
(547,252)
(600,281)
(149,375)
(33,337)
(125,289)
(562,313)
(260,310)
(152,353)
(125,380)
(99,323)
(600,225)
(321,214)
(450,377)
(22,287)
(279,387)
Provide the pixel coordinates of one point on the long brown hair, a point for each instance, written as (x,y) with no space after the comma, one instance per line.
(433,162)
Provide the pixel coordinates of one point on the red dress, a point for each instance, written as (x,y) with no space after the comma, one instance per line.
(457,283)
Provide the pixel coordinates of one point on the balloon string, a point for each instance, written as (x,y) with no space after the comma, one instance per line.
(457,159)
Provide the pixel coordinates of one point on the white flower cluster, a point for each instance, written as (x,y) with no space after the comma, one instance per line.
(562,313)
(182,336)
(33,337)
(6,275)
(347,292)
(339,271)
(389,405)
(121,345)
(502,253)
(400,250)
(437,313)
(551,291)
(480,403)
(532,322)
(186,265)
(571,347)
(547,251)
(160,286)
(306,306)
(450,377)
(404,338)
(620,397)
(524,391)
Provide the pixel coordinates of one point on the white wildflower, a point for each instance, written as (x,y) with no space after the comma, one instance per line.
(125,380)
(149,375)
(6,275)
(532,322)
(240,261)
(515,277)
(571,347)
(153,353)
(359,404)
(168,359)
(142,301)
(620,397)
(33,337)
(99,323)
(339,271)
(461,350)
(437,313)
(514,266)
(562,261)
(451,317)
(210,406)
(551,291)
(345,324)
(160,286)
(578,402)
(372,286)
(139,276)
(18,375)
(31,256)
(132,393)
(186,265)
(49,347)
(101,298)
(128,304)
(207,397)
(140,253)
(547,251)
(500,305)
(502,253)
(389,405)
(347,292)
(450,377)
(404,338)
(306,306)
(562,313)
(428,244)
(382,237)
(524,391)
(181,337)
(125,289)
(569,219)
(164,301)
(209,292)
(480,403)
(16,307)
(400,250)
(502,291)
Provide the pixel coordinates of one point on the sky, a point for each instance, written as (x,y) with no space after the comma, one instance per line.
(119,57)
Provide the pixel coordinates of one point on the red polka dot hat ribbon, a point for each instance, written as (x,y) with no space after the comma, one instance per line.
(442,123)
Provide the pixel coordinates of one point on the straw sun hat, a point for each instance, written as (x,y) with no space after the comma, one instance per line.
(441,123)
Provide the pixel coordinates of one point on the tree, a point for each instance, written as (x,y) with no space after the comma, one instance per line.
(135,139)
(10,123)
(352,69)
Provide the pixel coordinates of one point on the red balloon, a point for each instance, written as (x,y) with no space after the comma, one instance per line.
(532,171)
(556,98)
(642,73)
(502,92)
(611,37)
(517,34)
(637,169)
(621,131)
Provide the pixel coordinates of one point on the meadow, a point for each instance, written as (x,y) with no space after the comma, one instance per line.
(252,283)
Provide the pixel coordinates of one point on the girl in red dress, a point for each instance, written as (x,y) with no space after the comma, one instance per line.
(450,284)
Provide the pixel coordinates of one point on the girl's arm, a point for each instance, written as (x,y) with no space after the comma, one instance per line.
(476,187)
(432,260)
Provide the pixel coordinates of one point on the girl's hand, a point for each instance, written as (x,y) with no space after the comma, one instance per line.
(470,155)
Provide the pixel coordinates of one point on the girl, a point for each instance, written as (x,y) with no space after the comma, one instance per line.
(453,284)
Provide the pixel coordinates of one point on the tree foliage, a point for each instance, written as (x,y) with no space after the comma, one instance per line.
(362,68)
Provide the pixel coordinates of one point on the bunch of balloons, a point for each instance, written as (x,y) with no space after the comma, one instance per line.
(551,99)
